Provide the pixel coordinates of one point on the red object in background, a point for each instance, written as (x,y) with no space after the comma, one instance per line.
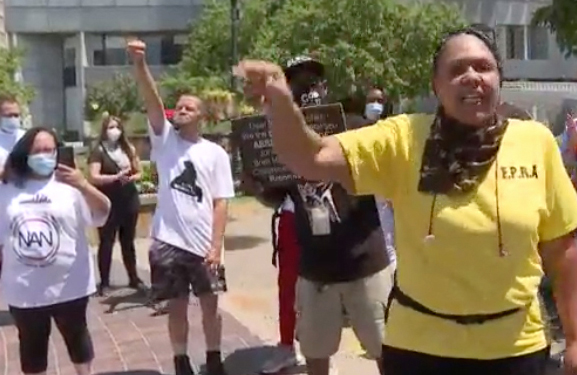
(288,272)
(169,113)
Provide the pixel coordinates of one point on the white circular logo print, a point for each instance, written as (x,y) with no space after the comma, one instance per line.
(36,239)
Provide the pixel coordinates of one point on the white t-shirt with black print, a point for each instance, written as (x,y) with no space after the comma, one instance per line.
(7,142)
(45,254)
(191,175)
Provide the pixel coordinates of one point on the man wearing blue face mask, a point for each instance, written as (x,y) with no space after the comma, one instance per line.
(10,131)
(374,104)
(10,127)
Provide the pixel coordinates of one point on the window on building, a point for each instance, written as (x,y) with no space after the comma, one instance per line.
(515,43)
(115,52)
(524,42)
(69,74)
(171,49)
(161,49)
(538,43)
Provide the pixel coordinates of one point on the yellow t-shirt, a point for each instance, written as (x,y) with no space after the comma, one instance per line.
(461,271)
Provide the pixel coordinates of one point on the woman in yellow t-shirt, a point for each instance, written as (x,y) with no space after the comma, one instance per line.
(482,206)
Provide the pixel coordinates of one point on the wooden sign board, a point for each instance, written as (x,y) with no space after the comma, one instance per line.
(253,138)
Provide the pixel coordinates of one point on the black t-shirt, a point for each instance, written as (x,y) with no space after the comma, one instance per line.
(122,196)
(353,249)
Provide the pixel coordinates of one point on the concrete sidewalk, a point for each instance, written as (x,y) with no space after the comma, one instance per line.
(129,339)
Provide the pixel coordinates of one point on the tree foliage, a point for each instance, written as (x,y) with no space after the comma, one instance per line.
(10,61)
(362,42)
(208,51)
(560,17)
(117,97)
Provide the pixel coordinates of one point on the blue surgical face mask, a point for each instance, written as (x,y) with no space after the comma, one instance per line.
(42,164)
(373,110)
(10,124)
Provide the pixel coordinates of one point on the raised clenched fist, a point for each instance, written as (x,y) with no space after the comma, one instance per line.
(136,49)
(263,81)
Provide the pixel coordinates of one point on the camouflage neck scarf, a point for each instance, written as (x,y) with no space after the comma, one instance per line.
(456,156)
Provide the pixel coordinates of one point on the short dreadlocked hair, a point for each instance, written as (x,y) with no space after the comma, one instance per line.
(481,33)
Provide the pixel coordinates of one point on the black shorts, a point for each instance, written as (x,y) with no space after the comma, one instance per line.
(406,362)
(34,328)
(176,272)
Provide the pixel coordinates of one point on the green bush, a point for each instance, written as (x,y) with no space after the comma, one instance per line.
(148,183)
(117,97)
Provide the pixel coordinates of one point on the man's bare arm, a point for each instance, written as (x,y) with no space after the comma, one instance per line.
(219,223)
(147,86)
(559,260)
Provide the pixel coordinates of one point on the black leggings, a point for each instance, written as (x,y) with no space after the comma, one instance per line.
(123,223)
(34,326)
(406,362)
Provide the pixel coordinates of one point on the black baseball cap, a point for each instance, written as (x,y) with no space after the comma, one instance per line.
(303,63)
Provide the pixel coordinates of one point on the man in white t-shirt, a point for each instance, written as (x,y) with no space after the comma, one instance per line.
(10,131)
(195,183)
(10,127)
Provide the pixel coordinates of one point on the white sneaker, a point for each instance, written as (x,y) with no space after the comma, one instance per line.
(283,358)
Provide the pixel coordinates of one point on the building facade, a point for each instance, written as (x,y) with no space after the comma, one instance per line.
(72,44)
(538,76)
(3,39)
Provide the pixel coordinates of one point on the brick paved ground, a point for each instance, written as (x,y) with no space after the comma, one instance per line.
(130,340)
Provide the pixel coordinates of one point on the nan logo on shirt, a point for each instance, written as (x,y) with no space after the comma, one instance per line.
(186,182)
(35,239)
(519,172)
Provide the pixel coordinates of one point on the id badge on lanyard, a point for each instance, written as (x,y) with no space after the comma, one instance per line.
(320,220)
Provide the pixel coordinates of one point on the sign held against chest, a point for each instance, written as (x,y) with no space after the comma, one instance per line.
(253,137)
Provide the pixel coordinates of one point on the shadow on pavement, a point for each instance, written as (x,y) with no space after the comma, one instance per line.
(130,372)
(232,243)
(250,360)
(5,318)
(125,299)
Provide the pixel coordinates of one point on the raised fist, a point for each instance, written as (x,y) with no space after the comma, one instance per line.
(136,49)
(263,81)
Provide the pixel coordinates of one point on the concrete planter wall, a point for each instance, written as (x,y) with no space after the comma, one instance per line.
(147,207)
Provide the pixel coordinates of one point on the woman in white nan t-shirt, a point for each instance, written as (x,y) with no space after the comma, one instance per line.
(48,273)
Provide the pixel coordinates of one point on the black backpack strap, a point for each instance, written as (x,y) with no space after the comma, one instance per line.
(391,296)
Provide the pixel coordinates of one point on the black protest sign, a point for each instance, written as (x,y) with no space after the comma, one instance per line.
(253,138)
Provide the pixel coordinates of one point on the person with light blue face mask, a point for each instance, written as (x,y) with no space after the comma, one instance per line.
(42,164)
(10,124)
(374,104)
(48,272)
(10,114)
(10,127)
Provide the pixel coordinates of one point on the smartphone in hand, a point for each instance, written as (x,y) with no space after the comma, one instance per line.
(66,156)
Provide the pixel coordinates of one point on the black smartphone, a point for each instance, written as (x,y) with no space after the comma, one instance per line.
(66,156)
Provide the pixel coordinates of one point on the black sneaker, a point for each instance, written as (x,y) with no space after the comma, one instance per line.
(182,365)
(214,364)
